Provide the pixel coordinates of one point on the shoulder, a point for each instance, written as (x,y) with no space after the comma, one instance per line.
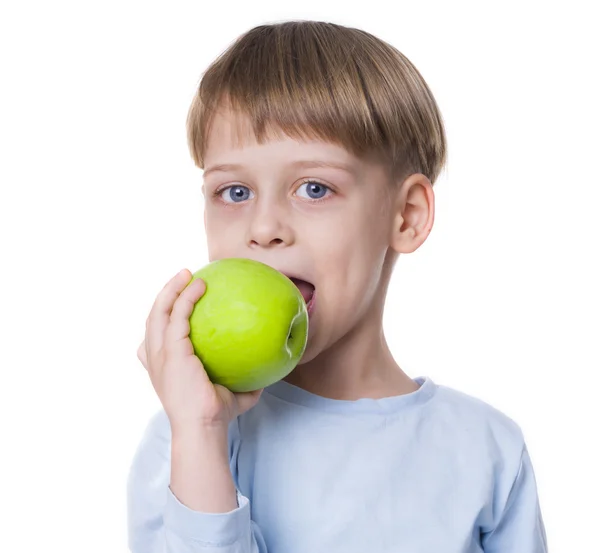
(153,451)
(470,419)
(463,405)
(149,473)
(158,427)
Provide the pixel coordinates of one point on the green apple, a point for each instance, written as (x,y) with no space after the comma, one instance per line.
(250,327)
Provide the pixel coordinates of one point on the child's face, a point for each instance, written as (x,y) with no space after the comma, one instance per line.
(333,232)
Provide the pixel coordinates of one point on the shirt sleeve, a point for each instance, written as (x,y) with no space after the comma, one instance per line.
(157,522)
(520,528)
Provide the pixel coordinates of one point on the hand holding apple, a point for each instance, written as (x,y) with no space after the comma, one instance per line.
(188,396)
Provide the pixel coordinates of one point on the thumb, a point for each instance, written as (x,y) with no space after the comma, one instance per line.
(247,400)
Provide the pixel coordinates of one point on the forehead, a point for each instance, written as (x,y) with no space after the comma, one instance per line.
(231,139)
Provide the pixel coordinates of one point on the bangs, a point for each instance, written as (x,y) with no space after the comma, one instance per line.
(312,80)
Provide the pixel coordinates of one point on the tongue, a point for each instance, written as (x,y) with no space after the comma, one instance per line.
(306,289)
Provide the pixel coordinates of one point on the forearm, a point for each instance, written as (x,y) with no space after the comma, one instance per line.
(200,474)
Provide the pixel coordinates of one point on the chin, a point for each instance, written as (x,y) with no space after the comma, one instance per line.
(311,352)
(316,346)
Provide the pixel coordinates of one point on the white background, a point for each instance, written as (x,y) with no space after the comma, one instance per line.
(100,205)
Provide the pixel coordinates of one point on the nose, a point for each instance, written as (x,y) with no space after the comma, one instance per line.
(270,227)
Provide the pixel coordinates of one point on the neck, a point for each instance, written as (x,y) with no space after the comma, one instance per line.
(359,365)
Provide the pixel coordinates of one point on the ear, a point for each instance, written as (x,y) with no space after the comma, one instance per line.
(414,213)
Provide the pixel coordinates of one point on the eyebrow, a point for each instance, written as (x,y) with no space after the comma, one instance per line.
(300,164)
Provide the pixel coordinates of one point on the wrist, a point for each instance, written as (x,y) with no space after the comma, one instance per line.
(201,478)
(194,422)
(213,432)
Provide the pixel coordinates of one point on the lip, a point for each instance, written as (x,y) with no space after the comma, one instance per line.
(310,306)
(311,303)
(296,276)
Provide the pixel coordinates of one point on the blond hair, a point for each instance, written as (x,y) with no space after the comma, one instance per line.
(319,80)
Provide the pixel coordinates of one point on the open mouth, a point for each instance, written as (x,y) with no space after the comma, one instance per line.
(307,290)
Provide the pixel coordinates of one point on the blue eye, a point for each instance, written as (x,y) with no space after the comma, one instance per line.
(313,190)
(236,194)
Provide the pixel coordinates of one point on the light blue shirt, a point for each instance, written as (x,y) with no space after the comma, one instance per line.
(433,471)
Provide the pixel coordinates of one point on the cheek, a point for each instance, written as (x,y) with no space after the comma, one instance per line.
(222,235)
(352,274)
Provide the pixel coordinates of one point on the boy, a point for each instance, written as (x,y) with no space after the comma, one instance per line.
(320,145)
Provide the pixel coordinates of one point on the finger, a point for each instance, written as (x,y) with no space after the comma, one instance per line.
(179,326)
(247,400)
(161,311)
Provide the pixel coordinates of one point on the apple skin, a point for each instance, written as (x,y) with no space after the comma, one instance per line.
(250,327)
